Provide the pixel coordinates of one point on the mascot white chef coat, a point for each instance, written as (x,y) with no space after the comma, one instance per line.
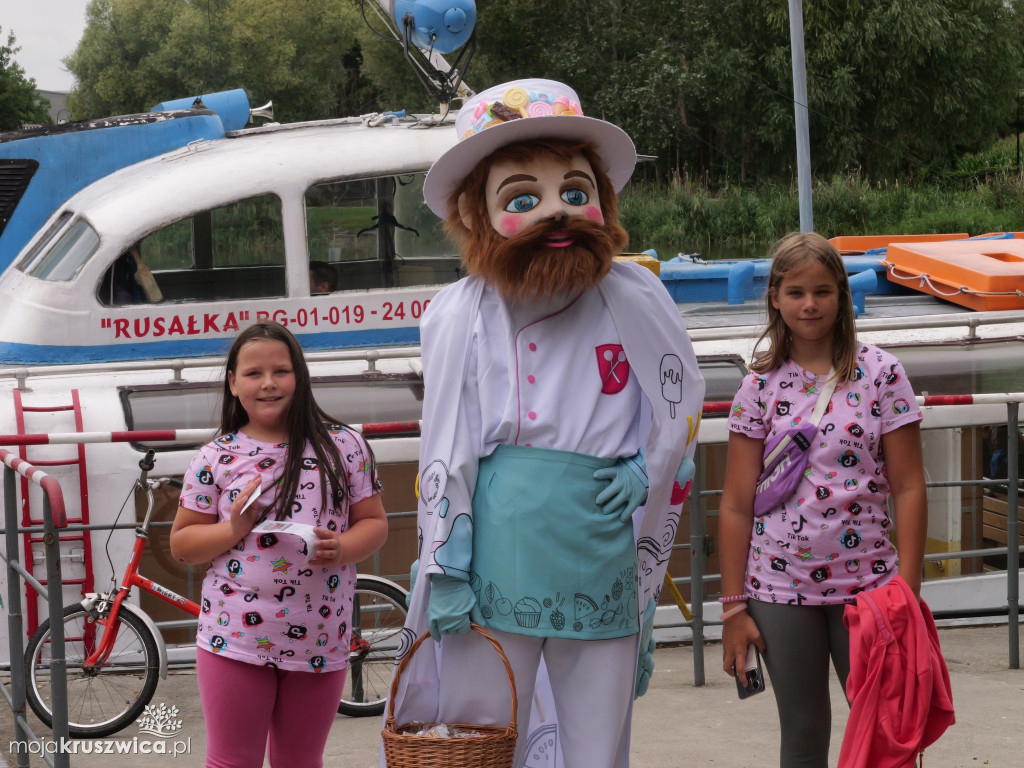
(561,406)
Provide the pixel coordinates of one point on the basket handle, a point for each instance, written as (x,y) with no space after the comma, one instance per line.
(390,722)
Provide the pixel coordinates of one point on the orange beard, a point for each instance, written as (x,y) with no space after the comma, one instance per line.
(526,267)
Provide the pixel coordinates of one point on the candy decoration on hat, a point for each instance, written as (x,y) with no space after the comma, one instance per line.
(524,110)
(517,102)
(516,98)
(504,112)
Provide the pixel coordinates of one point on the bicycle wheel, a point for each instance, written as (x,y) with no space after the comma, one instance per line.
(378,616)
(100,701)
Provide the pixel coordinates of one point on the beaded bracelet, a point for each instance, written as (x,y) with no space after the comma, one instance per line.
(732,612)
(732,599)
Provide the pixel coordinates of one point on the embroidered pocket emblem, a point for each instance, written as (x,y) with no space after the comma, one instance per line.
(613,368)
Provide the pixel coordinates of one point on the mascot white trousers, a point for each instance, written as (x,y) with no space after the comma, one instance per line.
(591,681)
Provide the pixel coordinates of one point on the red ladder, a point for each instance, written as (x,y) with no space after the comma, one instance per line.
(86,582)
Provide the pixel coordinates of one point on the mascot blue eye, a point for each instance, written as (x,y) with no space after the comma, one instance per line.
(575,197)
(522,203)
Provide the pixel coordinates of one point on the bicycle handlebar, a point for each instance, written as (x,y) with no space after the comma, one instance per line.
(147,462)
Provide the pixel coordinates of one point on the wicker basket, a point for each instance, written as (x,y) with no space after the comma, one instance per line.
(404,749)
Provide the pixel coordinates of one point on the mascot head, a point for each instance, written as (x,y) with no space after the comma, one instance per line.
(530,190)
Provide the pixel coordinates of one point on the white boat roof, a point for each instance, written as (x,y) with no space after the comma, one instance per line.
(252,160)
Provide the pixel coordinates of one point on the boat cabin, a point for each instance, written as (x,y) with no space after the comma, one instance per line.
(320,226)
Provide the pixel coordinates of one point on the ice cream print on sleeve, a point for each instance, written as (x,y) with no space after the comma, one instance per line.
(431,483)
(672,382)
(452,555)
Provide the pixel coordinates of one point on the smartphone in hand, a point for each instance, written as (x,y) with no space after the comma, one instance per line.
(750,679)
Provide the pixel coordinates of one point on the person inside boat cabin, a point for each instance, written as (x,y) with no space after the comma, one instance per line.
(130,281)
(561,404)
(322,277)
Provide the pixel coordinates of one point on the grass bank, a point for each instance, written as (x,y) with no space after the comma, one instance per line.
(745,222)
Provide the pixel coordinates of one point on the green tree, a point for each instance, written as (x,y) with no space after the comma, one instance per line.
(893,88)
(20,102)
(305,56)
(896,88)
(136,53)
(706,85)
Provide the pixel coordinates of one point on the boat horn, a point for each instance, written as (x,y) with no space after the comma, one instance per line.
(267,111)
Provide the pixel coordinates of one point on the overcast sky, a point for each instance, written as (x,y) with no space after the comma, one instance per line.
(46,31)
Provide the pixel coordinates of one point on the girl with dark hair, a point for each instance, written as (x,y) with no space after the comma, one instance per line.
(788,574)
(273,636)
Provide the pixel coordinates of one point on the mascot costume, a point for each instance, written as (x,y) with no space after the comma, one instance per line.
(561,406)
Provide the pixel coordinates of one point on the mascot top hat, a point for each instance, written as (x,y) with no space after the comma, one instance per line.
(519,111)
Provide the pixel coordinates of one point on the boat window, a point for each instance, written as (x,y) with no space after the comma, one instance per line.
(353,400)
(68,254)
(235,251)
(723,375)
(44,242)
(375,233)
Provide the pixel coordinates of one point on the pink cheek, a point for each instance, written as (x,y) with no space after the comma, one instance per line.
(593,213)
(508,225)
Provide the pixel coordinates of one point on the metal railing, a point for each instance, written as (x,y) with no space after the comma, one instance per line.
(699,543)
(970,321)
(370,431)
(54,518)
(177,367)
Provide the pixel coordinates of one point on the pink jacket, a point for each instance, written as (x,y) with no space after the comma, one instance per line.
(899,691)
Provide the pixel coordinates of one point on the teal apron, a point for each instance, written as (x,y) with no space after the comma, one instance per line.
(546,560)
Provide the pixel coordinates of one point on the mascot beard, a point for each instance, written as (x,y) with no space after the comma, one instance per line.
(525,266)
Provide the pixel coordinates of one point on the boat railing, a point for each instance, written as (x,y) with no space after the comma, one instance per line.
(54,518)
(700,544)
(177,367)
(970,321)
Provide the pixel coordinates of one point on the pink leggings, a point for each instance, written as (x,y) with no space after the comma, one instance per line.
(244,703)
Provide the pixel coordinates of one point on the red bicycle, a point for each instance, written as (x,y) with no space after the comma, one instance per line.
(115,654)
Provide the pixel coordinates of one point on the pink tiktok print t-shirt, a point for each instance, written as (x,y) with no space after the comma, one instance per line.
(262,603)
(831,539)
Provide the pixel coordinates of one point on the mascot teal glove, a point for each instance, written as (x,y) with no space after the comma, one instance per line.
(414,571)
(645,663)
(451,607)
(627,487)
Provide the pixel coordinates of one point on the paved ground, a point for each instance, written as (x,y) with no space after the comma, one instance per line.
(678,724)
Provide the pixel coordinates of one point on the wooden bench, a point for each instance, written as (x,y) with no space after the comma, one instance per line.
(994,510)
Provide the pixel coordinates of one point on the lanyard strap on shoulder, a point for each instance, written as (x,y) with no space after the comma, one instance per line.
(819,410)
(824,397)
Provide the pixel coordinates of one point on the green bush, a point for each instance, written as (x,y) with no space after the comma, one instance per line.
(740,222)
